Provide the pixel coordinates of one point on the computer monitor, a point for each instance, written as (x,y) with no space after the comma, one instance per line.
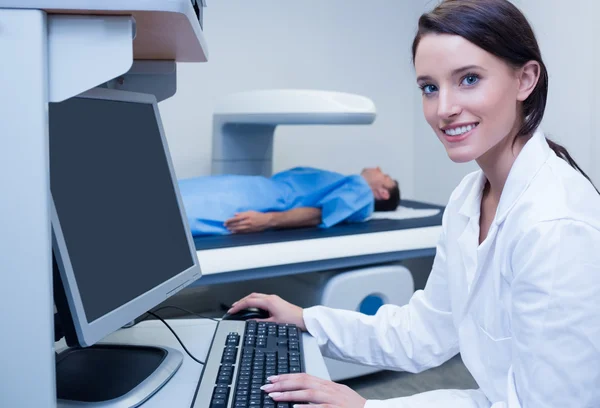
(121,241)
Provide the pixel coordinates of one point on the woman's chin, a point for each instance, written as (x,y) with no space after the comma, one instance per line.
(460,155)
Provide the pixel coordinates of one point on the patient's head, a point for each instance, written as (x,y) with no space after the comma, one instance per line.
(385,189)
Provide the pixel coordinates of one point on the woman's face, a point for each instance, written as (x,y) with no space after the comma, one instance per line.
(470,97)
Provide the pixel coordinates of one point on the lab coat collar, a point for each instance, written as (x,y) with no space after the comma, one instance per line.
(529,161)
(471,206)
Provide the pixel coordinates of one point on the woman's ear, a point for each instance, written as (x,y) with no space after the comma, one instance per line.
(528,76)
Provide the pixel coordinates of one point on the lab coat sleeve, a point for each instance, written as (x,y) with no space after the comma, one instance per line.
(555,317)
(435,399)
(413,338)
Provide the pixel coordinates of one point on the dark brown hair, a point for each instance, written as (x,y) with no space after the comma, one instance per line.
(498,27)
(391,203)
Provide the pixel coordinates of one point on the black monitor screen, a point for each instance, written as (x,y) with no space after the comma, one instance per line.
(114,195)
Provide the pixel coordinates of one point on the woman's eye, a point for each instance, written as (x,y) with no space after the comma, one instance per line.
(427,89)
(470,79)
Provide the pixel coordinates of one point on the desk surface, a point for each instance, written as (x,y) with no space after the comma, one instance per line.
(196,334)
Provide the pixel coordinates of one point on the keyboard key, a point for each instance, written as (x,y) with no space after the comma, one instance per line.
(222,391)
(224,379)
(233,340)
(218,403)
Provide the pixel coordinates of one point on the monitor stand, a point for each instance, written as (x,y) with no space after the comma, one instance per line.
(107,375)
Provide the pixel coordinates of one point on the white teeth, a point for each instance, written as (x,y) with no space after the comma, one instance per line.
(459,130)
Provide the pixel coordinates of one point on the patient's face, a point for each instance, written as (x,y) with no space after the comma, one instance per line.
(379,181)
(469,95)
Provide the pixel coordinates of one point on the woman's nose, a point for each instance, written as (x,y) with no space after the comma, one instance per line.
(447,106)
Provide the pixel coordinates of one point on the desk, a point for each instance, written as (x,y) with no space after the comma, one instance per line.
(196,334)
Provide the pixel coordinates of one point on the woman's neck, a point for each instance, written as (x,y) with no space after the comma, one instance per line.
(497,162)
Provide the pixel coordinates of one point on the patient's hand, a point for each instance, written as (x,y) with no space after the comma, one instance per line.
(249,221)
(304,387)
(280,310)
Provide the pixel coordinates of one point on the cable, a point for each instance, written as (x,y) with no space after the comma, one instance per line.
(169,307)
(187,311)
(177,337)
(178,308)
(149,313)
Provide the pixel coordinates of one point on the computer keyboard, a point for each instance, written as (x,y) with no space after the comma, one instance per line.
(241,358)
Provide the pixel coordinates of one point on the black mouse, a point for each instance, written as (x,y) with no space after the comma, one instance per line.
(247,314)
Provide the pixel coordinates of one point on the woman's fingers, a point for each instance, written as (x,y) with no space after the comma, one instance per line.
(316,406)
(310,395)
(254,300)
(302,377)
(306,388)
(290,382)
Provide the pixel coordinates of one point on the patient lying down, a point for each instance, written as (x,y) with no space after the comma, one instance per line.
(299,197)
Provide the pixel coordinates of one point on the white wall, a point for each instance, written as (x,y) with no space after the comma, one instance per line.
(566,32)
(569,36)
(335,45)
(353,47)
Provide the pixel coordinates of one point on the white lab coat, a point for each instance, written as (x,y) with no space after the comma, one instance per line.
(522,308)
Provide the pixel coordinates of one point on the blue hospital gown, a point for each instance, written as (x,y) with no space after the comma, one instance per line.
(211,200)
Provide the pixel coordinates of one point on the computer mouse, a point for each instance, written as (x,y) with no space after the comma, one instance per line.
(246,314)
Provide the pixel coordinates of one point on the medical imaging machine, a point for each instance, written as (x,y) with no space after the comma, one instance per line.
(368,255)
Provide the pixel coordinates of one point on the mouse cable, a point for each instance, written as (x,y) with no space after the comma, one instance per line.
(147,316)
(177,337)
(185,311)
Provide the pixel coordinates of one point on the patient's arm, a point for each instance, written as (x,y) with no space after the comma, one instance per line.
(298,217)
(253,221)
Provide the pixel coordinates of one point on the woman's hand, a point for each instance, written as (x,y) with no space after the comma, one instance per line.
(308,389)
(280,310)
(249,221)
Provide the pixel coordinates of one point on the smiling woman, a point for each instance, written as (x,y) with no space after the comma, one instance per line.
(516,277)
(483,88)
